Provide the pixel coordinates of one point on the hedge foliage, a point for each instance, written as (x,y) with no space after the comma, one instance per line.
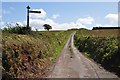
(29,56)
(16,29)
(104,50)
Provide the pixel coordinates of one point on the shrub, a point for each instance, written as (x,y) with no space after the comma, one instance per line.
(104,50)
(17,29)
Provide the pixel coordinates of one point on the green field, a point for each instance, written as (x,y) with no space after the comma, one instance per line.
(31,54)
(100,45)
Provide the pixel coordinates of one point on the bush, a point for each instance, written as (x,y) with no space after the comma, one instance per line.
(104,50)
(17,29)
(23,55)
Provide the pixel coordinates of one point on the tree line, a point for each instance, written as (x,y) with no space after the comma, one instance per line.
(95,28)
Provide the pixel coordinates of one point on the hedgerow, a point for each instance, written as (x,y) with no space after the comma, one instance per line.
(102,49)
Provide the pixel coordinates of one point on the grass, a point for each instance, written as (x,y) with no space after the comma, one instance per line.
(29,55)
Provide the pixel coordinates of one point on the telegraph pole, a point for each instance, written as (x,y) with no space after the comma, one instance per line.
(28,11)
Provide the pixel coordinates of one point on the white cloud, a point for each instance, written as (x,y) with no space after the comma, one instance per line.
(84,21)
(55,16)
(106,25)
(38,24)
(37,15)
(112,17)
(2,24)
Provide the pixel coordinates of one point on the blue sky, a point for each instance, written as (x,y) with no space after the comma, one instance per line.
(62,15)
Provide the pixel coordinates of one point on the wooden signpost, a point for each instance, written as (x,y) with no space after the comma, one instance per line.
(28,11)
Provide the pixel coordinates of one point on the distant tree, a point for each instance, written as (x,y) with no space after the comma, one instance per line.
(47,27)
(36,29)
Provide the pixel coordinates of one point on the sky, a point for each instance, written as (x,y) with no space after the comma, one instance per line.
(61,15)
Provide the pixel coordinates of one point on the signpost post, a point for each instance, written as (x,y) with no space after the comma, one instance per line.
(28,11)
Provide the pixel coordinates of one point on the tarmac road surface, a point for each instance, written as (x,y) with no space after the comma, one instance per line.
(72,64)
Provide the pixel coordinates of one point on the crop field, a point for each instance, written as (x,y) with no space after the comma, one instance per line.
(29,55)
(102,46)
